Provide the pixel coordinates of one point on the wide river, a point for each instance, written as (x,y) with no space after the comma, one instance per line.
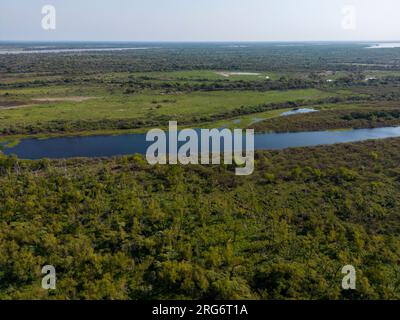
(113,145)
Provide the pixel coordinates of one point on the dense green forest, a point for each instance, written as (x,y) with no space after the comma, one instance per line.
(203,56)
(121,229)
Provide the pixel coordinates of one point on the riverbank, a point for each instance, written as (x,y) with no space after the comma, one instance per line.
(362,117)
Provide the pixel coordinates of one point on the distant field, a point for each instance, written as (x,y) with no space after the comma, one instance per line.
(32,102)
(198,75)
(145,105)
(190,75)
(211,75)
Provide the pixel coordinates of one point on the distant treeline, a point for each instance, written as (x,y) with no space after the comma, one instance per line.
(136,84)
(172,57)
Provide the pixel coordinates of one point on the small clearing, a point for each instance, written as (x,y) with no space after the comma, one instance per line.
(229,74)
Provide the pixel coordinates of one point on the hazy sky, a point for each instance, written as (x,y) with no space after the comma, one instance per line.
(201,20)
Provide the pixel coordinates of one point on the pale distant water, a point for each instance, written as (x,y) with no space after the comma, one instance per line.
(298,111)
(385,45)
(75,50)
(108,146)
(236,46)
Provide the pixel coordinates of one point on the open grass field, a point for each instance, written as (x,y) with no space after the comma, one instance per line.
(32,102)
(71,103)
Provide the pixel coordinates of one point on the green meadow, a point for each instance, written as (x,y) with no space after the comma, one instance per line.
(151,104)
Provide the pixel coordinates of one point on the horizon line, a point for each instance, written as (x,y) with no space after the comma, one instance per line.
(200,41)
